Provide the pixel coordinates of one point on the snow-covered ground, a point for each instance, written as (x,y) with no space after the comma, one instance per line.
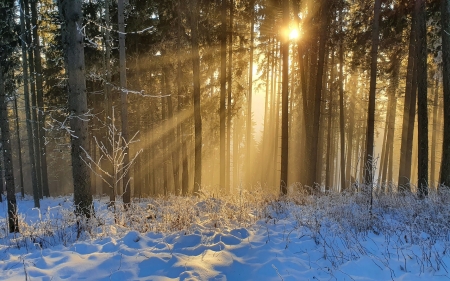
(321,238)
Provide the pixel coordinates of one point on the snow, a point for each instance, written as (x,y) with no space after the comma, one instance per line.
(279,241)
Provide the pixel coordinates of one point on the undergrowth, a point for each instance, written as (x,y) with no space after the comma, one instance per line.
(413,229)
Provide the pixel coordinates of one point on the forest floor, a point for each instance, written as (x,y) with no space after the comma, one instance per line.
(250,236)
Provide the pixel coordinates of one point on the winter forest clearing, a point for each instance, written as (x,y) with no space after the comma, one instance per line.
(225,139)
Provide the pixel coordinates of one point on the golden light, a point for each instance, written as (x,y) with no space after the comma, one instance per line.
(293,34)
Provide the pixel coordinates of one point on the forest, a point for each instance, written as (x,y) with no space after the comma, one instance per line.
(133,99)
(224,139)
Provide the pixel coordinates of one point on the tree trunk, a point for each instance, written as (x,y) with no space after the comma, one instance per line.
(392,117)
(411,128)
(341,111)
(26,93)
(250,94)
(123,100)
(40,100)
(223,84)
(329,126)
(19,148)
(422,110)
(384,149)
(368,161)
(434,136)
(318,95)
(229,105)
(445,162)
(34,118)
(164,140)
(71,16)
(197,109)
(7,154)
(108,102)
(410,94)
(284,105)
(350,136)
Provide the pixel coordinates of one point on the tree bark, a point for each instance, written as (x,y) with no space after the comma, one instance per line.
(71,16)
(229,105)
(368,160)
(34,118)
(284,104)
(445,162)
(197,108)
(40,100)
(223,84)
(422,110)
(328,175)
(410,94)
(108,102)
(7,154)
(250,94)
(124,100)
(318,94)
(26,94)
(341,111)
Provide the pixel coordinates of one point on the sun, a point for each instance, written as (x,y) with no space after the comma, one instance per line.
(294,34)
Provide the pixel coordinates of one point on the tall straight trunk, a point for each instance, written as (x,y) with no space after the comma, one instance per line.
(71,16)
(329,126)
(284,105)
(139,179)
(183,124)
(445,162)
(164,140)
(123,100)
(322,143)
(7,154)
(434,136)
(172,144)
(410,94)
(152,148)
(384,149)
(108,101)
(229,105)
(350,137)
(422,110)
(318,95)
(250,93)
(196,97)
(368,160)
(223,88)
(267,166)
(236,146)
(26,94)
(276,132)
(263,178)
(411,129)
(387,147)
(34,118)
(332,172)
(40,99)
(341,111)
(392,117)
(19,147)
